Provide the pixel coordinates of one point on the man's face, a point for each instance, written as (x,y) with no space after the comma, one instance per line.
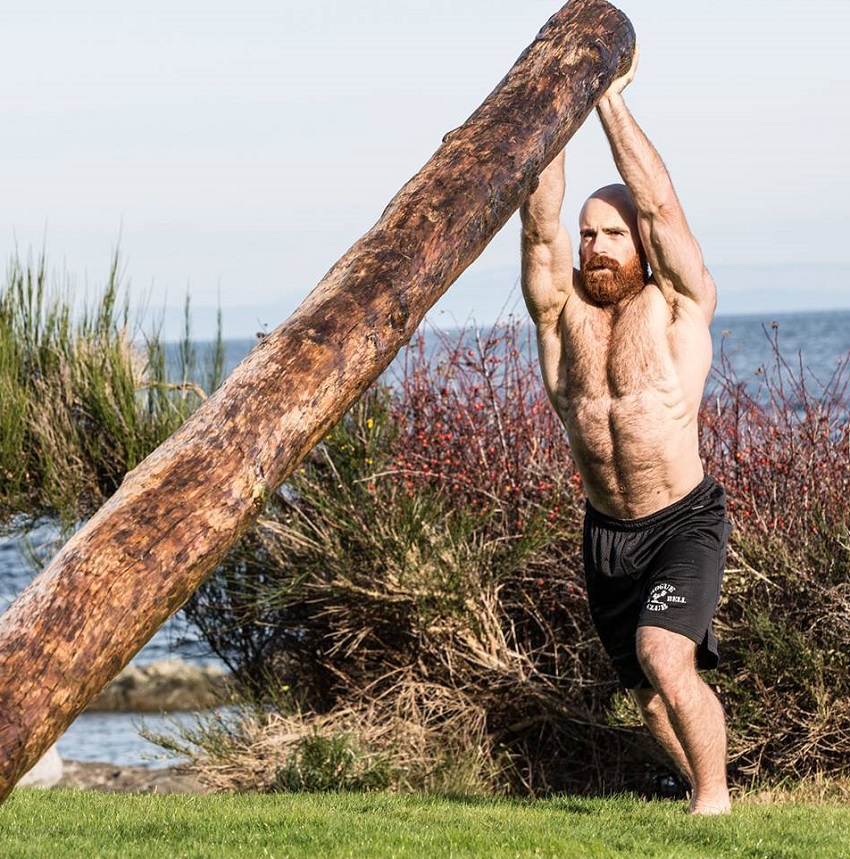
(611,267)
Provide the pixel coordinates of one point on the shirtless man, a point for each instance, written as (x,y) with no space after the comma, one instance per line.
(624,357)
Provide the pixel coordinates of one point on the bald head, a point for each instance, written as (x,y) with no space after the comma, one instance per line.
(619,198)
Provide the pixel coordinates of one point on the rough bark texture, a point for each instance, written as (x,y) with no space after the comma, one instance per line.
(176,515)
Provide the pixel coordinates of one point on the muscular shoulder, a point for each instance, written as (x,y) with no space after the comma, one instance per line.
(555,329)
(547,277)
(679,270)
(694,306)
(688,331)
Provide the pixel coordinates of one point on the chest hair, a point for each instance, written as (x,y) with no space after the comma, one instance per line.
(616,352)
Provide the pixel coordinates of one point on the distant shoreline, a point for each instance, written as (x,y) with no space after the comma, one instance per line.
(479,298)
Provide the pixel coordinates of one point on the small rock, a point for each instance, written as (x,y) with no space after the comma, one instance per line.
(47,772)
(111,778)
(170,685)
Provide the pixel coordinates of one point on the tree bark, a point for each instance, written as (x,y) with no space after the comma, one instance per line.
(176,515)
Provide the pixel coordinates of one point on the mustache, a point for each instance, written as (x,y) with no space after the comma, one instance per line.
(600,261)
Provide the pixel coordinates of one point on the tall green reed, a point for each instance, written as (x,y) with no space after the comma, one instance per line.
(86,394)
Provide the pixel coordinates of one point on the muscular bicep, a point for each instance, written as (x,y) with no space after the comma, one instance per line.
(547,275)
(675,256)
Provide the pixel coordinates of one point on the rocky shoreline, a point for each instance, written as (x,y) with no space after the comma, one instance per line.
(169,686)
(90,775)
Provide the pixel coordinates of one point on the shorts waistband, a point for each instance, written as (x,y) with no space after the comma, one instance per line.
(703,488)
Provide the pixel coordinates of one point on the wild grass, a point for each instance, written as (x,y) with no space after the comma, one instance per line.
(417,588)
(86,394)
(409,612)
(418,578)
(49,824)
(780,445)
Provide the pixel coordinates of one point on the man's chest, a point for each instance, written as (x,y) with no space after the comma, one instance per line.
(608,354)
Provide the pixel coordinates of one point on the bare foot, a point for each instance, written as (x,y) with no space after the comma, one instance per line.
(710,808)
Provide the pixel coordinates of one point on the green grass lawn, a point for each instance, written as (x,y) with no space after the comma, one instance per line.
(64,823)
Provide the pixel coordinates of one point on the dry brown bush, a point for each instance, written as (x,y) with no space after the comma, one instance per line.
(417,588)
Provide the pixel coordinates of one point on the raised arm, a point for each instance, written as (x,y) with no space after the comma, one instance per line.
(673,253)
(547,252)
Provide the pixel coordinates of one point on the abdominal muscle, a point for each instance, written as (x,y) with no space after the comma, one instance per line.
(635,455)
(627,387)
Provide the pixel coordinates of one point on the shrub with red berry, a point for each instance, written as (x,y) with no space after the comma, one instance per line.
(422,571)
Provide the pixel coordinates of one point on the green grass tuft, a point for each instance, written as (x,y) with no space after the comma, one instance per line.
(86,395)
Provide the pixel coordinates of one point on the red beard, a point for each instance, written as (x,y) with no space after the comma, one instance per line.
(607,282)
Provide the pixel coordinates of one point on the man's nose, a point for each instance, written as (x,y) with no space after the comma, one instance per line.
(599,244)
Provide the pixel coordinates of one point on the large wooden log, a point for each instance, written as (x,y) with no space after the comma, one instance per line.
(175,516)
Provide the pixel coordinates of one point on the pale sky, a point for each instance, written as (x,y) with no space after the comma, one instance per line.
(238,149)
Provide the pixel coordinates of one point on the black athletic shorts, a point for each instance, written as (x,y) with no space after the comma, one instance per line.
(661,570)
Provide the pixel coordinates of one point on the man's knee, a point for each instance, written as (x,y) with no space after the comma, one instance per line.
(668,659)
(650,704)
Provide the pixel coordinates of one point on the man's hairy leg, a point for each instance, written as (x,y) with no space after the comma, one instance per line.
(653,710)
(694,714)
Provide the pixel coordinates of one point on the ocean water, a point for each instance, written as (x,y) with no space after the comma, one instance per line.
(816,344)
(818,341)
